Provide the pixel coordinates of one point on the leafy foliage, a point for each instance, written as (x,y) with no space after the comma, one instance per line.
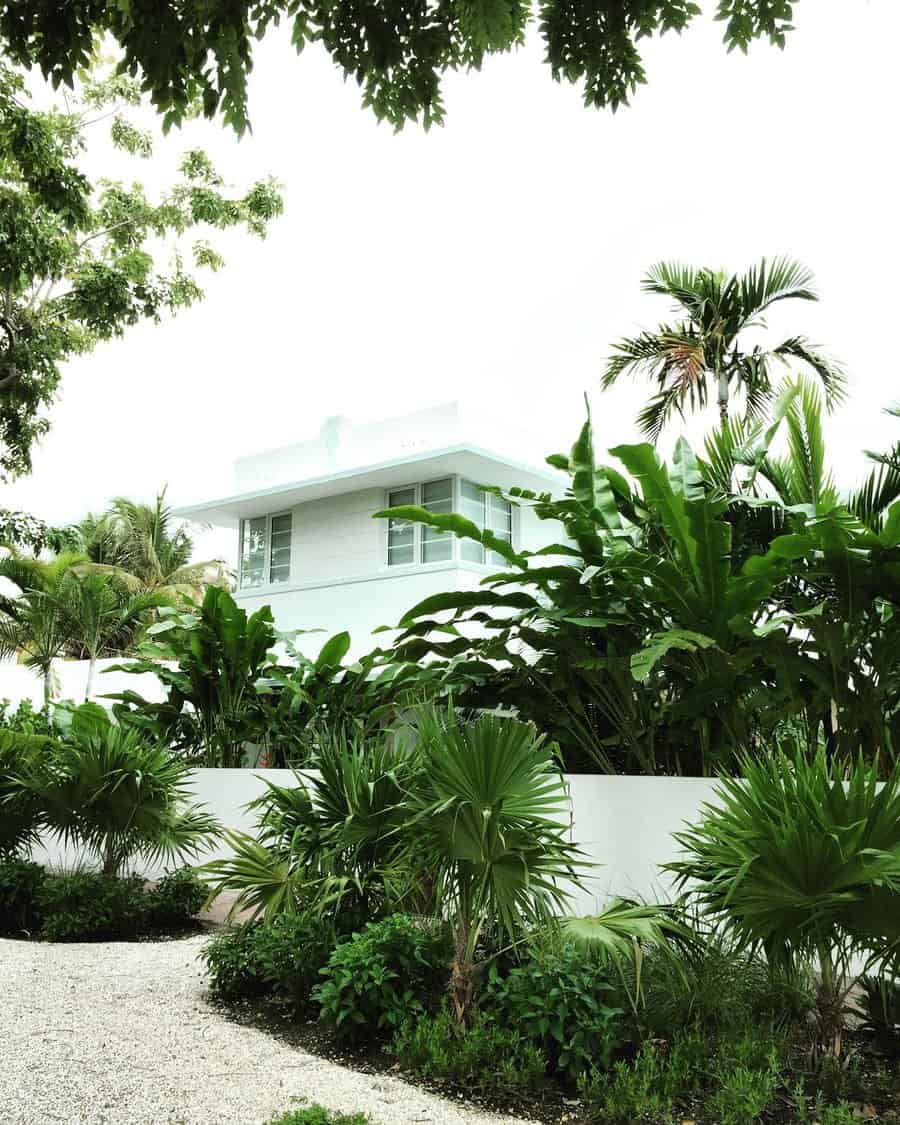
(318,1115)
(20,808)
(397,53)
(79,258)
(20,882)
(382,977)
(562,999)
(487,824)
(213,706)
(283,957)
(331,840)
(684,612)
(89,905)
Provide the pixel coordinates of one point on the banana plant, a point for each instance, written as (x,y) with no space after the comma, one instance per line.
(211,660)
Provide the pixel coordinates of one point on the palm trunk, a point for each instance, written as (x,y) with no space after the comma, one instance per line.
(48,688)
(723,398)
(92,664)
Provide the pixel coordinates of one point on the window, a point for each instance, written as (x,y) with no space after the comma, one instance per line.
(265,550)
(486,511)
(410,543)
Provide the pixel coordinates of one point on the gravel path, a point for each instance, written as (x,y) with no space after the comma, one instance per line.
(121,1034)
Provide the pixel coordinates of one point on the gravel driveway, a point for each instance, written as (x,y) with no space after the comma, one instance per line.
(109,1034)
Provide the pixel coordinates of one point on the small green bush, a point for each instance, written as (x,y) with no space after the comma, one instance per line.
(484,1057)
(175,899)
(318,1115)
(20,882)
(284,957)
(235,972)
(560,998)
(87,906)
(291,952)
(382,976)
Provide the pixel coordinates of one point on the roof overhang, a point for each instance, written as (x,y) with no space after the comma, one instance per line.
(479,465)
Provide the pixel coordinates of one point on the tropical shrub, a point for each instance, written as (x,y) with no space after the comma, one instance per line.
(685,612)
(483,1056)
(381,977)
(235,972)
(88,905)
(177,896)
(20,882)
(25,719)
(801,859)
(109,790)
(717,984)
(736,1075)
(562,998)
(282,957)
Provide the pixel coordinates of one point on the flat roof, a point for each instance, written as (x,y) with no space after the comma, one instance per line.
(480,465)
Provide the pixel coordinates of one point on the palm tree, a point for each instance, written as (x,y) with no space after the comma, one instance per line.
(101,617)
(705,349)
(141,546)
(65,610)
(31,625)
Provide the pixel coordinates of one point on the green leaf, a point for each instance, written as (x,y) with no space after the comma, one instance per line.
(333,651)
(684,640)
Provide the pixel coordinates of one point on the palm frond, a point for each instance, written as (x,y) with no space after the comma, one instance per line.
(830,373)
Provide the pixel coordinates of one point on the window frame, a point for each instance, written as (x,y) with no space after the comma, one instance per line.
(267,583)
(456,557)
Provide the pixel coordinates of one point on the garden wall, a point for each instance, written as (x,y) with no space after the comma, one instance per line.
(623,824)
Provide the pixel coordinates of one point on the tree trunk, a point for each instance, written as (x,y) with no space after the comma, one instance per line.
(829,1010)
(92,664)
(462,977)
(723,398)
(110,860)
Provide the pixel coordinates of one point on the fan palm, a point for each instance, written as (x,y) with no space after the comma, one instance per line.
(801,858)
(489,821)
(140,544)
(704,351)
(108,789)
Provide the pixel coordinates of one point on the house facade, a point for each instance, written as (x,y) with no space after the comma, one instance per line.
(307,543)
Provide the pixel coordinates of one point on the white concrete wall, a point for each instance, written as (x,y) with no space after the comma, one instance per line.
(624,825)
(18,682)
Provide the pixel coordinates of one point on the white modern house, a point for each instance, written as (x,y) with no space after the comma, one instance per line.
(309,547)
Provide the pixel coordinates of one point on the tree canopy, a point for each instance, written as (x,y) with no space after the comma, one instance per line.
(396,50)
(80,262)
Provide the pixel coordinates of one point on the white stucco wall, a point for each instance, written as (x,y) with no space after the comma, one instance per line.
(18,682)
(624,825)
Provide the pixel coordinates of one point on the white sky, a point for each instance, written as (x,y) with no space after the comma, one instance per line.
(495,259)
